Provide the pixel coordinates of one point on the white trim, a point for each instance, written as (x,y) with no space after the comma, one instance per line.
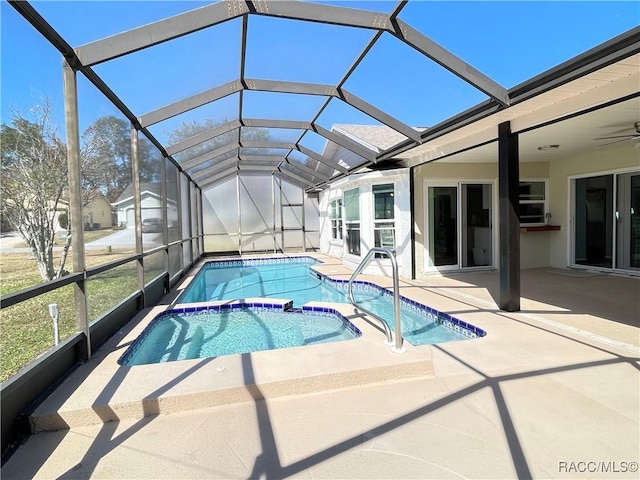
(396,214)
(600,173)
(457,183)
(530,202)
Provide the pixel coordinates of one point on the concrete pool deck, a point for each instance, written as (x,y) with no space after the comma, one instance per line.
(549,387)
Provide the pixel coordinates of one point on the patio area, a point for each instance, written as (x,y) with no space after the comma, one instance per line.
(550,392)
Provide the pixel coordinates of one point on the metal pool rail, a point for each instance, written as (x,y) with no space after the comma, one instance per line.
(397,347)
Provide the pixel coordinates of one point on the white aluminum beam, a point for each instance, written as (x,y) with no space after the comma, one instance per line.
(261,159)
(379,115)
(266,144)
(321,159)
(349,17)
(296,177)
(161,31)
(203,137)
(451,62)
(278,86)
(226,175)
(256,168)
(205,157)
(345,142)
(277,174)
(198,176)
(306,169)
(272,123)
(190,103)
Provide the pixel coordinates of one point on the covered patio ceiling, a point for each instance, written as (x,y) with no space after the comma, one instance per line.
(292,137)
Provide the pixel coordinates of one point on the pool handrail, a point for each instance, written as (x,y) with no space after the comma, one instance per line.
(397,347)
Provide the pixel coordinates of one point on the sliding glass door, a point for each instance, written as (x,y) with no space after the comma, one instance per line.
(459,226)
(628,222)
(606,231)
(442,226)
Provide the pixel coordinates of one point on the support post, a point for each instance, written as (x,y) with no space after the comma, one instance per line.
(75,203)
(412,215)
(180,210)
(165,220)
(273,200)
(200,221)
(137,212)
(281,216)
(239,210)
(304,224)
(190,210)
(509,211)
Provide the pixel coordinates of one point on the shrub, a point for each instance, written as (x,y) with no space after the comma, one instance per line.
(63,220)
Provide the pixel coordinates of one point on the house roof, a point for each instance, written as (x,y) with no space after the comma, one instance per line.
(375,137)
(150,187)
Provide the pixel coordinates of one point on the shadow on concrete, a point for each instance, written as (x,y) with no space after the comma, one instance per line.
(610,296)
(268,463)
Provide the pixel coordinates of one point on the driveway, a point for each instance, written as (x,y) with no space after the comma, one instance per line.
(8,241)
(126,238)
(119,239)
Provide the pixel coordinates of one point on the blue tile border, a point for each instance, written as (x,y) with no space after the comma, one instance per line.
(302,259)
(464,328)
(285,307)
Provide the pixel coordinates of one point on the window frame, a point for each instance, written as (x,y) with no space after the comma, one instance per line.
(378,222)
(544,202)
(354,225)
(336,217)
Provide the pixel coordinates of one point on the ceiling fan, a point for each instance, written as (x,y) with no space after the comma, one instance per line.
(622,138)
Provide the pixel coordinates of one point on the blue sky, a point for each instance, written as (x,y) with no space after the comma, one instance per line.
(508,41)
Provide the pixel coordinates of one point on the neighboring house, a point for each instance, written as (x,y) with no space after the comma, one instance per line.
(151,200)
(97,213)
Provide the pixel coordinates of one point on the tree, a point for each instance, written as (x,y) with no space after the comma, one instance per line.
(33,180)
(107,153)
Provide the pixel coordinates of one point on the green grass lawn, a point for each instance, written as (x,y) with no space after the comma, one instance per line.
(26,329)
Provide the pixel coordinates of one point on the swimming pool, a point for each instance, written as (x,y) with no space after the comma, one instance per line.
(210,331)
(291,278)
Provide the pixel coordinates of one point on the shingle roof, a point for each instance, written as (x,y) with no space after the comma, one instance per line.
(153,187)
(378,136)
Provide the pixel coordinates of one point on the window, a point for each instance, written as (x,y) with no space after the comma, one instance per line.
(352,220)
(336,219)
(383,217)
(533,202)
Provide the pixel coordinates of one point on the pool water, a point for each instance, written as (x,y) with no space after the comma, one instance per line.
(292,279)
(206,334)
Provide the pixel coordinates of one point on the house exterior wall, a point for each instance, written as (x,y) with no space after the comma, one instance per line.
(535,247)
(151,208)
(98,211)
(595,163)
(402,217)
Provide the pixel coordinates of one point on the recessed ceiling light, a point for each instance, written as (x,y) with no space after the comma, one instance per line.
(544,148)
